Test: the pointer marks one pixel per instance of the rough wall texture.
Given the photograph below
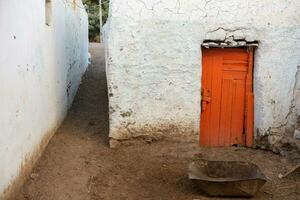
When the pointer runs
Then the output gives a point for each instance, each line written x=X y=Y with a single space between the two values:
x=154 y=61
x=40 y=70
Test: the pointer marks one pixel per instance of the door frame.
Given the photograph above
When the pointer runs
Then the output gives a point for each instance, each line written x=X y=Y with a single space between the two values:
x=249 y=111
x=249 y=98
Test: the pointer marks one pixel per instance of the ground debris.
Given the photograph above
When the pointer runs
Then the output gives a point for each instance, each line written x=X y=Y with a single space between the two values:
x=293 y=173
x=78 y=163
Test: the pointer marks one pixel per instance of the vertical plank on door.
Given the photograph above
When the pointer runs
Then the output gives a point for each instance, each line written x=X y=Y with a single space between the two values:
x=227 y=97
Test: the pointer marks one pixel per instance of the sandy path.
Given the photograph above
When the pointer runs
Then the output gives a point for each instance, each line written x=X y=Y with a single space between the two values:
x=78 y=165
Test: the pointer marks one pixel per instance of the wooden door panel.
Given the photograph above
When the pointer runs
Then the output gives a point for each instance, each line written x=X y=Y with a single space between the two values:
x=238 y=113
x=224 y=76
x=216 y=92
x=225 y=117
x=205 y=124
x=233 y=95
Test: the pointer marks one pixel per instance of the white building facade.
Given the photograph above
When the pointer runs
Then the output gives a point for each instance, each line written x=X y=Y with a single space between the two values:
x=44 y=53
x=154 y=63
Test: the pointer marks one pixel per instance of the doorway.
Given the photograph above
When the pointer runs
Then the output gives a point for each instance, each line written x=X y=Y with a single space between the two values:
x=226 y=97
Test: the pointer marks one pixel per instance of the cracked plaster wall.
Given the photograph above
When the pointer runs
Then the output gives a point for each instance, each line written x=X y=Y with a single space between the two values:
x=154 y=60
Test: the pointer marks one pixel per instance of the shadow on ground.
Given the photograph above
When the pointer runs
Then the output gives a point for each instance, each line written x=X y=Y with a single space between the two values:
x=78 y=165
x=90 y=106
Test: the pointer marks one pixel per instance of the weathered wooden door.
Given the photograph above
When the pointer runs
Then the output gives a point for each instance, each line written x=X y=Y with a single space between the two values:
x=227 y=97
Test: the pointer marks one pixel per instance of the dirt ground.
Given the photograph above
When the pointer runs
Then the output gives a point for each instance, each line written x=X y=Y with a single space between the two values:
x=78 y=164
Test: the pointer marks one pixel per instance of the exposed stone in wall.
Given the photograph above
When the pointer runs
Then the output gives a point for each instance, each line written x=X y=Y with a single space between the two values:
x=154 y=61
x=229 y=42
x=282 y=144
x=297 y=105
x=285 y=138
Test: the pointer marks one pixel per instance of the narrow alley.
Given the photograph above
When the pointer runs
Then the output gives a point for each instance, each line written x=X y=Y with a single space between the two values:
x=149 y=100
x=78 y=164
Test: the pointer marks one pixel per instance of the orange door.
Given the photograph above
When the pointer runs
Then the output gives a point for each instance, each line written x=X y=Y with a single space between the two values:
x=227 y=98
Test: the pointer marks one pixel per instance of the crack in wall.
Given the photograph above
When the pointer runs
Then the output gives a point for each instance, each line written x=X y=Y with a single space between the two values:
x=228 y=29
x=178 y=6
x=230 y=35
x=150 y=42
x=292 y=109
x=278 y=139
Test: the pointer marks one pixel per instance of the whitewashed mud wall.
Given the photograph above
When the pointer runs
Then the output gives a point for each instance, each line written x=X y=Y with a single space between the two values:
x=154 y=61
x=40 y=70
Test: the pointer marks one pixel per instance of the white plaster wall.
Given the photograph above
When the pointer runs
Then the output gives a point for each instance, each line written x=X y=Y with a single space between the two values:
x=154 y=60
x=40 y=70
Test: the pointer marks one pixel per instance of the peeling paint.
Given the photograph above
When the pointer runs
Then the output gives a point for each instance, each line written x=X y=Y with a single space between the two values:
x=126 y=114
